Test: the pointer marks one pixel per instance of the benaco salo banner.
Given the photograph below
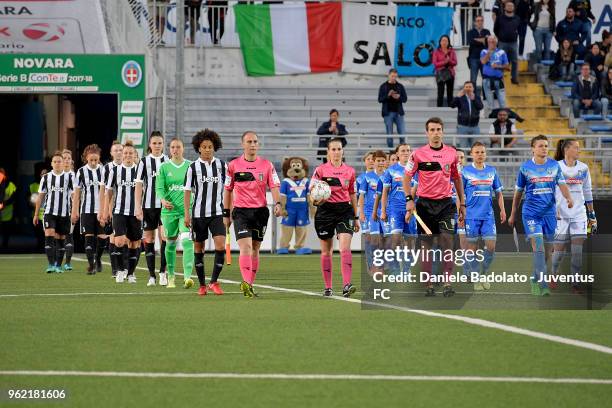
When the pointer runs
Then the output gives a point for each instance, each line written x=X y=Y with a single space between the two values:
x=52 y=26
x=377 y=38
x=293 y=38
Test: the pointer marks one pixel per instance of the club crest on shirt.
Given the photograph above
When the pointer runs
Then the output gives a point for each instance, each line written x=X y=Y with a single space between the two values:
x=260 y=176
x=447 y=167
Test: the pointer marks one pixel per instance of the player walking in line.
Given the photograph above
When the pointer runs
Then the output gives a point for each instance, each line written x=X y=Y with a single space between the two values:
x=336 y=215
x=205 y=178
x=538 y=178
x=86 y=206
x=116 y=153
x=436 y=165
x=148 y=168
x=481 y=183
x=572 y=222
x=366 y=187
x=245 y=195
x=121 y=205
x=68 y=165
x=55 y=191
x=393 y=204
x=169 y=188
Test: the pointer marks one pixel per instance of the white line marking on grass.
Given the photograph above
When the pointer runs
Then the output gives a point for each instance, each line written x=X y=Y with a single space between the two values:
x=169 y=292
x=284 y=376
x=465 y=319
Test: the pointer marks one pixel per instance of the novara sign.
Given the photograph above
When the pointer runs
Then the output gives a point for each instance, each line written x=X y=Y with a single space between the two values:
x=57 y=63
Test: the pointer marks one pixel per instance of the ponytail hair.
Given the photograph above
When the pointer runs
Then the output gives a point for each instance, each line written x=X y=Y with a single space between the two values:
x=561 y=146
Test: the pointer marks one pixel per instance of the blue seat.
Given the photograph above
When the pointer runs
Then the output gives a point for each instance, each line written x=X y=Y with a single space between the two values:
x=548 y=62
x=579 y=62
x=609 y=117
x=600 y=128
x=567 y=94
x=564 y=84
x=591 y=116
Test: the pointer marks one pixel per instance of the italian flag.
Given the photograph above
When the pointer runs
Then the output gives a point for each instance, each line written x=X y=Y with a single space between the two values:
x=296 y=38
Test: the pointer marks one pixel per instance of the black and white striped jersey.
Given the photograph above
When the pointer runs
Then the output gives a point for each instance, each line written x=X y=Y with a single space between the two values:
x=58 y=189
x=206 y=180
x=89 y=181
x=148 y=167
x=122 y=180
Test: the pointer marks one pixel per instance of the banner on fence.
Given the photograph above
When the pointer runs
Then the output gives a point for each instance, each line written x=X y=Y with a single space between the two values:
x=377 y=38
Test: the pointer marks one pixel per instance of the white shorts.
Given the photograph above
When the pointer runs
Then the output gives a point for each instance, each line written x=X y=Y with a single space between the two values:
x=567 y=228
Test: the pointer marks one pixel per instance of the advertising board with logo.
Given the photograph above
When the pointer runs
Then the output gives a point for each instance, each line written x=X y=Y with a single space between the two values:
x=52 y=26
x=123 y=75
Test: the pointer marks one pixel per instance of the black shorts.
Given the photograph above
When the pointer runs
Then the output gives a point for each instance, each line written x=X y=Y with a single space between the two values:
x=151 y=218
x=201 y=226
x=334 y=218
x=108 y=228
x=61 y=225
x=90 y=225
x=250 y=222
x=438 y=215
x=127 y=225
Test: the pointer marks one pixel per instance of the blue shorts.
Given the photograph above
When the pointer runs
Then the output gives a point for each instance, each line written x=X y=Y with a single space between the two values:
x=397 y=224
x=475 y=229
x=537 y=225
x=458 y=229
x=296 y=218
x=376 y=227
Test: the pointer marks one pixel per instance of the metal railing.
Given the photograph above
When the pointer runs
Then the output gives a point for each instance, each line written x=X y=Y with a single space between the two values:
x=212 y=25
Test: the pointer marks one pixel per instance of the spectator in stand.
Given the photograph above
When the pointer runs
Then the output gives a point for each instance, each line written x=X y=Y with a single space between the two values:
x=608 y=59
x=192 y=16
x=585 y=92
x=606 y=42
x=467 y=13
x=564 y=60
x=477 y=39
x=606 y=92
x=543 y=28
x=468 y=106
x=498 y=8
x=216 y=19
x=494 y=62
x=333 y=128
x=503 y=128
x=586 y=18
x=444 y=62
x=571 y=29
x=506 y=29
x=524 y=10
x=596 y=60
x=392 y=96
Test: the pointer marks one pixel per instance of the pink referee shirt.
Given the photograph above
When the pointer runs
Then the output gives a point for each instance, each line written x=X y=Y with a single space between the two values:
x=341 y=180
x=248 y=181
x=436 y=169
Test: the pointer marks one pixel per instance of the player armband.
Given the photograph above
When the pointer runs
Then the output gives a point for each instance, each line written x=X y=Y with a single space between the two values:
x=226 y=213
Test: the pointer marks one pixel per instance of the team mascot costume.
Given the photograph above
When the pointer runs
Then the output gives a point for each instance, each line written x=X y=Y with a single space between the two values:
x=295 y=207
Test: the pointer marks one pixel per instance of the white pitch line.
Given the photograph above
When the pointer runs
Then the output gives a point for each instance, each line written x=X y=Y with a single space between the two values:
x=165 y=293
x=465 y=319
x=286 y=376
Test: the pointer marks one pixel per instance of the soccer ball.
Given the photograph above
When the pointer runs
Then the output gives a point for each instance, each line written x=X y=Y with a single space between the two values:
x=320 y=191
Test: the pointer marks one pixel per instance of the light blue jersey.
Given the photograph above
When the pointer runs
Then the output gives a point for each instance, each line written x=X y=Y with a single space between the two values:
x=480 y=187
x=367 y=184
x=392 y=178
x=539 y=182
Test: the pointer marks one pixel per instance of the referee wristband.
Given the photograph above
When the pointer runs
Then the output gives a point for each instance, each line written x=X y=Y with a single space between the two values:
x=408 y=198
x=226 y=213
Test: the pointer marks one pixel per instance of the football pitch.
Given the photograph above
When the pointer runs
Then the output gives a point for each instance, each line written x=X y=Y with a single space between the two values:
x=109 y=344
